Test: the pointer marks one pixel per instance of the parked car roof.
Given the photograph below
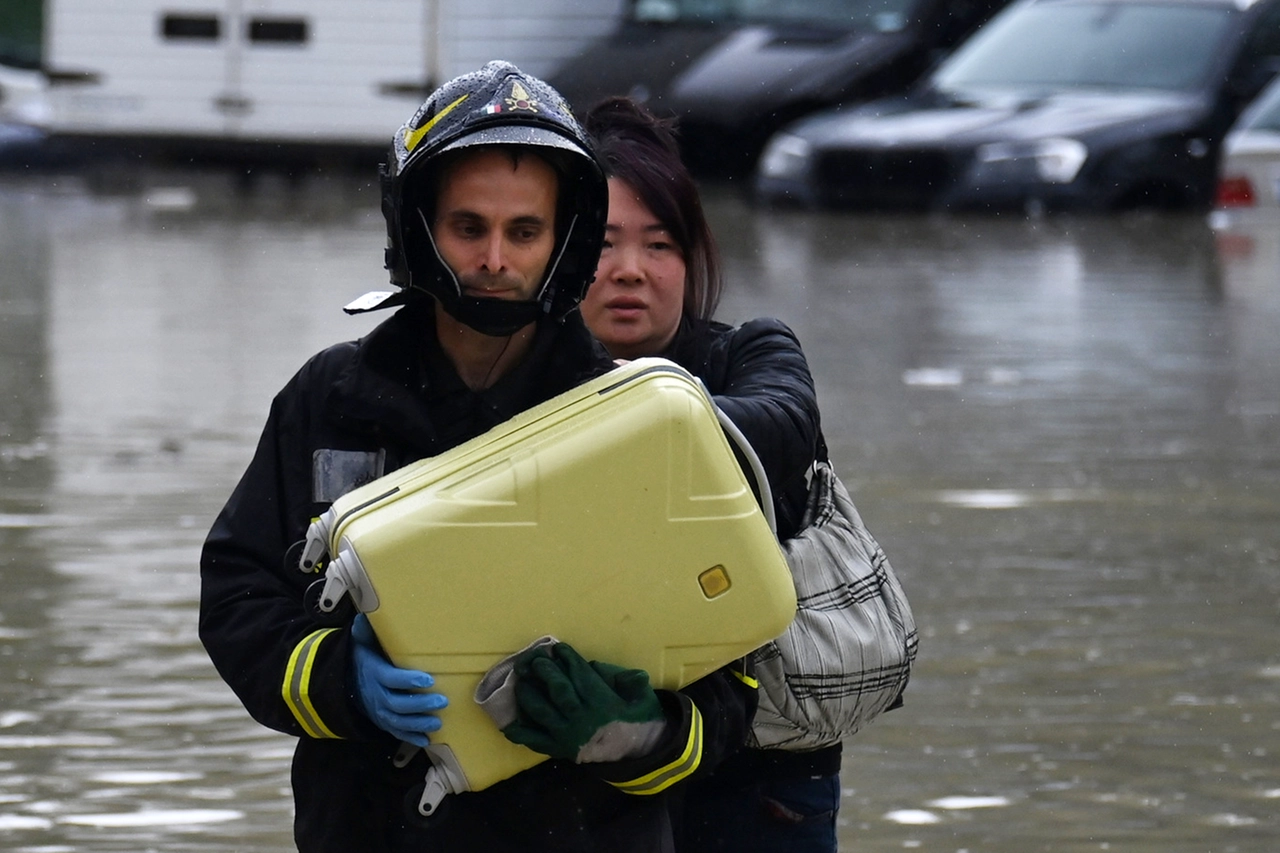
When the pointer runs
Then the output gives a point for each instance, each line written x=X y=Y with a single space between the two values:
x=734 y=71
x=1054 y=104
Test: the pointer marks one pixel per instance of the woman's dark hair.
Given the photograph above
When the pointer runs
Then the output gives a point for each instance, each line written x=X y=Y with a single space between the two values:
x=639 y=148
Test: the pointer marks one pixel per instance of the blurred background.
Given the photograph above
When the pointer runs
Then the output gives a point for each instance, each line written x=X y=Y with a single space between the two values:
x=1062 y=425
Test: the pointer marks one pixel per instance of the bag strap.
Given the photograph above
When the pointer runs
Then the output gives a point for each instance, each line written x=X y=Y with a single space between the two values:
x=755 y=470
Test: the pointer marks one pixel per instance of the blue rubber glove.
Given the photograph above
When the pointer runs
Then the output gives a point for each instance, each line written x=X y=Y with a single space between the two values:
x=390 y=696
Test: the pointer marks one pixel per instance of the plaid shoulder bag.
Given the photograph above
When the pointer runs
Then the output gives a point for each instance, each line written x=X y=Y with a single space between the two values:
x=848 y=655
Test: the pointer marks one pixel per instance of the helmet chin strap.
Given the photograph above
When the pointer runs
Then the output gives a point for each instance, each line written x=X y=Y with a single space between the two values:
x=551 y=270
x=431 y=238
x=489 y=316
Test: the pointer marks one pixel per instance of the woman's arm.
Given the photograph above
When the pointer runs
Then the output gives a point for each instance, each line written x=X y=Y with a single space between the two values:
x=760 y=378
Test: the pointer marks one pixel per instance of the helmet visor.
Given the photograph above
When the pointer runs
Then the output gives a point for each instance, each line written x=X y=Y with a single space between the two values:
x=515 y=134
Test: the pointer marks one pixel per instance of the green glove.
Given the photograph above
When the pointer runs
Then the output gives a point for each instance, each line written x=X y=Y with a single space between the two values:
x=583 y=712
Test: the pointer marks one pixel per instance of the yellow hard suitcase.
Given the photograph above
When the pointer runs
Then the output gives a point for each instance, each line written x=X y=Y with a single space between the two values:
x=615 y=517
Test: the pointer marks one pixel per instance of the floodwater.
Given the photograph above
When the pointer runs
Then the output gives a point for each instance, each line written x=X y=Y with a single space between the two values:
x=1065 y=433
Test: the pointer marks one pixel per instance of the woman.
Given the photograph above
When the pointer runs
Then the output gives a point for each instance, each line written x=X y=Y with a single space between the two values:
x=655 y=291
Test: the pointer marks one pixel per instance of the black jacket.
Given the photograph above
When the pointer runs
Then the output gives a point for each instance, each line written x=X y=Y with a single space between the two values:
x=760 y=378
x=379 y=404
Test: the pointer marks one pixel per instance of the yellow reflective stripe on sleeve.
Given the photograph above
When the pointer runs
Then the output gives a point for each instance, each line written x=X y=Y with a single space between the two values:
x=746 y=679
x=297 y=685
x=413 y=137
x=664 y=777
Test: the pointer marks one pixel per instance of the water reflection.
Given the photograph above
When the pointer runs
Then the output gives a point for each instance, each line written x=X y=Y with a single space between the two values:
x=162 y=331
x=26 y=474
x=1066 y=434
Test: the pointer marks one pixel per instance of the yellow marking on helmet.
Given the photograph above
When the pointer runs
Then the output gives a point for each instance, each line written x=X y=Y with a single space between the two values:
x=412 y=138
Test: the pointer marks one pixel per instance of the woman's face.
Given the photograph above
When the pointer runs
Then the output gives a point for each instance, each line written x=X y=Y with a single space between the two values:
x=633 y=307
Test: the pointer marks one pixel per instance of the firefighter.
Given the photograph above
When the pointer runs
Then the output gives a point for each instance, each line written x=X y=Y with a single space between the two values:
x=495 y=206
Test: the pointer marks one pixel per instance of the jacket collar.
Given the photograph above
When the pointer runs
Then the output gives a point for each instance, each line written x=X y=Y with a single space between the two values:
x=395 y=369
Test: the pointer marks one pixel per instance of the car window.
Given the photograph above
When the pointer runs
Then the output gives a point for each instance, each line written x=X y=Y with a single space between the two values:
x=1090 y=45
x=881 y=15
x=1264 y=113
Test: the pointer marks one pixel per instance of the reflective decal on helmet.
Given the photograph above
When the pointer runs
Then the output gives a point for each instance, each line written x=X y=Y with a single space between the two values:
x=520 y=99
x=413 y=137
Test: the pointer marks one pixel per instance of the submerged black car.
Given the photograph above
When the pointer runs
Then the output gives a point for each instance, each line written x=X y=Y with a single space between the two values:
x=1054 y=105
x=734 y=71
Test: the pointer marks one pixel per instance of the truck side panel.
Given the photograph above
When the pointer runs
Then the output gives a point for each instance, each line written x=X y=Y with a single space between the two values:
x=300 y=71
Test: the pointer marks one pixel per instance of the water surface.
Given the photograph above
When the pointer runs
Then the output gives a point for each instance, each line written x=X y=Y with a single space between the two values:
x=1065 y=433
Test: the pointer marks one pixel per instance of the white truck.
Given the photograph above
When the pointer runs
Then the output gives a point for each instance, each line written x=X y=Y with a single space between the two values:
x=328 y=72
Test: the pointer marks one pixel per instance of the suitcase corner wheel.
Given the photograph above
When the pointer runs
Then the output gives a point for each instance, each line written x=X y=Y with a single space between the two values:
x=345 y=577
x=333 y=599
x=324 y=611
x=316 y=544
x=443 y=777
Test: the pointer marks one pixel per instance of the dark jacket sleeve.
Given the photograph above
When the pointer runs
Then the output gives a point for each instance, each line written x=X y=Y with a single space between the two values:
x=290 y=673
x=761 y=380
x=708 y=721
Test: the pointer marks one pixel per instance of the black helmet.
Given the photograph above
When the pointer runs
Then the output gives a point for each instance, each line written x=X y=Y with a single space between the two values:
x=497 y=105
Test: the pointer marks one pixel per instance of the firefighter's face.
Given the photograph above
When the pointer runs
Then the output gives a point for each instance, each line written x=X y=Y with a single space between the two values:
x=495 y=222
